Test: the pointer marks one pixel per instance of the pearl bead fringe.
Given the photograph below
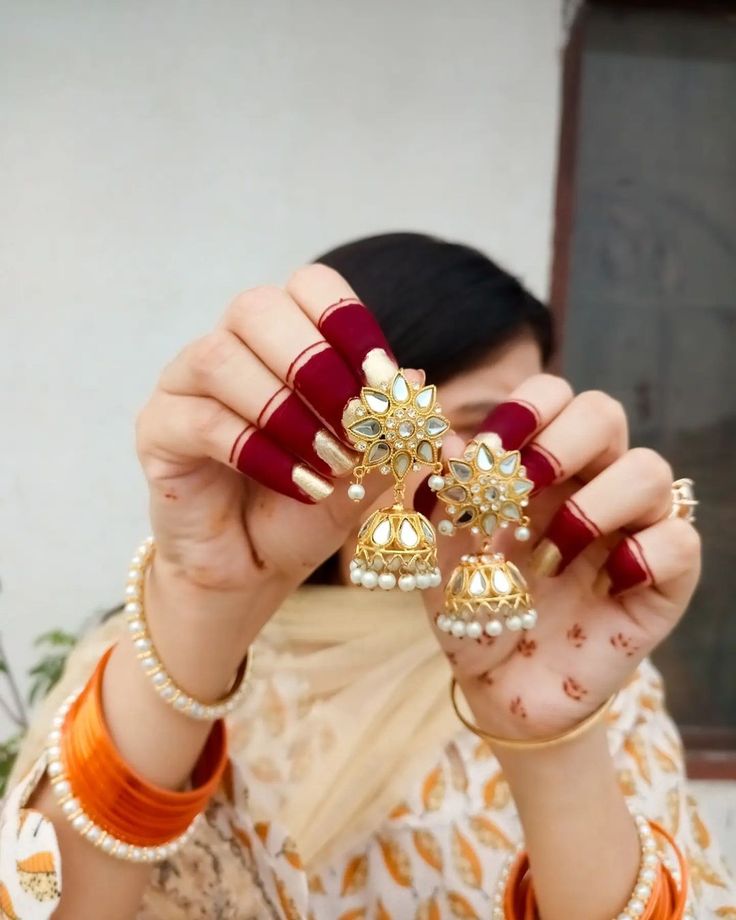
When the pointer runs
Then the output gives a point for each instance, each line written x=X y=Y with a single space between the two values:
x=642 y=892
x=72 y=810
x=152 y=665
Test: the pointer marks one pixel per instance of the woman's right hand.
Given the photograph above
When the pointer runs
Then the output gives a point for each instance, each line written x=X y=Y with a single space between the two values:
x=242 y=439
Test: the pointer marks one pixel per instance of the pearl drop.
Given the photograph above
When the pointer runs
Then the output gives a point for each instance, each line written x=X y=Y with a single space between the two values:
x=407 y=582
x=369 y=579
x=514 y=622
x=356 y=576
x=458 y=629
x=436 y=483
x=424 y=580
x=494 y=628
x=529 y=619
x=444 y=622
x=354 y=564
x=635 y=907
x=522 y=533
x=473 y=630
x=446 y=527
x=386 y=580
x=356 y=492
x=436 y=578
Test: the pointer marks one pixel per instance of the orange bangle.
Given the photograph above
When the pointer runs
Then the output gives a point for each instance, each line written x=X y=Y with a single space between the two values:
x=109 y=802
x=667 y=899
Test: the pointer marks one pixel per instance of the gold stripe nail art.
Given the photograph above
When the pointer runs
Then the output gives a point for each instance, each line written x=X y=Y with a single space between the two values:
x=546 y=558
x=329 y=449
x=310 y=483
x=378 y=367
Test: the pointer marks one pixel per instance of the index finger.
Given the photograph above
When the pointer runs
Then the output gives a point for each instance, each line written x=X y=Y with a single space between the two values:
x=529 y=408
x=346 y=323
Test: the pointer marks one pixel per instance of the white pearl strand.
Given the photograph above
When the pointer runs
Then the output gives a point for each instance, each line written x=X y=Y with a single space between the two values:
x=62 y=786
x=149 y=659
x=642 y=888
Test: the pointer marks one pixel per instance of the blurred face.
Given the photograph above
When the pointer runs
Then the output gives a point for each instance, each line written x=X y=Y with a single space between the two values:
x=467 y=398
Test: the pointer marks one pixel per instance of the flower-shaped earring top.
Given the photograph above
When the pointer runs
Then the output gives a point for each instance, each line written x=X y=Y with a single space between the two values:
x=399 y=428
x=486 y=489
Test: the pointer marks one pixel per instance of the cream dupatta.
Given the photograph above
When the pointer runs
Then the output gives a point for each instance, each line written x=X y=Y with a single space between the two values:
x=369 y=684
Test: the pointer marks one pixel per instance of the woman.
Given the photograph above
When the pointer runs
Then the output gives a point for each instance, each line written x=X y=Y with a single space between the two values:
x=366 y=797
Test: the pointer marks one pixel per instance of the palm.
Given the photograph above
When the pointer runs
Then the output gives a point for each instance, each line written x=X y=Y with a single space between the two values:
x=234 y=532
x=583 y=647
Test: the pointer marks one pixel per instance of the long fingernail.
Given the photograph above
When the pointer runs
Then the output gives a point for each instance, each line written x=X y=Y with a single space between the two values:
x=378 y=367
x=602 y=584
x=546 y=558
x=513 y=421
x=331 y=451
x=571 y=532
x=351 y=328
x=424 y=498
x=542 y=467
x=626 y=567
x=310 y=483
x=326 y=382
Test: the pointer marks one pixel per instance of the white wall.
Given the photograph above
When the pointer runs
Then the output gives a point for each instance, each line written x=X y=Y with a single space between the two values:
x=156 y=157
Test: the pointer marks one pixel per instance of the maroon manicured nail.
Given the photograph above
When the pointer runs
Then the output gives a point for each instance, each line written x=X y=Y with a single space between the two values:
x=569 y=533
x=353 y=330
x=327 y=384
x=514 y=422
x=267 y=463
x=627 y=566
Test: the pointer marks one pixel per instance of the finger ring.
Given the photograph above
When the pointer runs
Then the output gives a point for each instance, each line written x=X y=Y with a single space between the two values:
x=683 y=500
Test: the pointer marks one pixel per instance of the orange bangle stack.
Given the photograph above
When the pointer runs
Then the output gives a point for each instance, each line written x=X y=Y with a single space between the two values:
x=109 y=803
x=667 y=900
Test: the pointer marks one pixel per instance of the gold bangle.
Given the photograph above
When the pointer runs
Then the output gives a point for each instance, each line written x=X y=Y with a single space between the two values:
x=519 y=744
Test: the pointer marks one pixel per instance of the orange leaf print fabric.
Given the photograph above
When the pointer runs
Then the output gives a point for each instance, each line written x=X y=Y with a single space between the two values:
x=429 y=849
x=461 y=907
x=428 y=910
x=6 y=904
x=355 y=875
x=433 y=790
x=496 y=792
x=466 y=860
x=489 y=834
x=458 y=772
x=396 y=861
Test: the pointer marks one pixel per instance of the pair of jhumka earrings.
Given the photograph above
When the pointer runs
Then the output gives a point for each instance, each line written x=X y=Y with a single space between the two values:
x=398 y=428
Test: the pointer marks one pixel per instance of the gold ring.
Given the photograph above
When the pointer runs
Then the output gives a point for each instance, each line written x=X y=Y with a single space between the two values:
x=683 y=500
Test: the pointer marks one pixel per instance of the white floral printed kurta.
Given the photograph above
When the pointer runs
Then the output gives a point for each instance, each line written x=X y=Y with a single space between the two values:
x=435 y=856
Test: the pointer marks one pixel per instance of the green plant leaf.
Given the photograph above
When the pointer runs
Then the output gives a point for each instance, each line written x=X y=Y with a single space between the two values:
x=8 y=753
x=56 y=637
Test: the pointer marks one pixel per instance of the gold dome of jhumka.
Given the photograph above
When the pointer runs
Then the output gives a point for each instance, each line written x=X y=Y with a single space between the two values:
x=485 y=593
x=398 y=428
x=399 y=546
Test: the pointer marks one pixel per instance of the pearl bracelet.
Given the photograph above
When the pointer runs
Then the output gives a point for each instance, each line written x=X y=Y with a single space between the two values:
x=648 y=867
x=152 y=666
x=81 y=822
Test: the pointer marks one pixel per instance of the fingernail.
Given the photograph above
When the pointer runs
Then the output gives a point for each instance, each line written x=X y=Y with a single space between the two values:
x=546 y=558
x=541 y=467
x=602 y=584
x=378 y=367
x=514 y=422
x=310 y=483
x=328 y=449
x=571 y=531
x=424 y=498
x=627 y=567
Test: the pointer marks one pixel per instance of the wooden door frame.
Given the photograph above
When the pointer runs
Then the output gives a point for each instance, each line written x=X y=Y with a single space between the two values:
x=710 y=752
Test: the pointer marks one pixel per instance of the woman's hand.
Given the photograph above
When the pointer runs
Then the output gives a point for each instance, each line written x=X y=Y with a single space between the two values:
x=610 y=574
x=242 y=439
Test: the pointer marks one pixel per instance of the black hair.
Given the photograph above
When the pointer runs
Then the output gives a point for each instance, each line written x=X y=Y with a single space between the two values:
x=442 y=306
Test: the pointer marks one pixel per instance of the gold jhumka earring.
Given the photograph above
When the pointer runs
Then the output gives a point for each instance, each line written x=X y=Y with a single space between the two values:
x=485 y=490
x=398 y=428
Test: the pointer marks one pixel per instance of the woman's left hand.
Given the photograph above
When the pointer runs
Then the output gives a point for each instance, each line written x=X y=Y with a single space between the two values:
x=610 y=573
